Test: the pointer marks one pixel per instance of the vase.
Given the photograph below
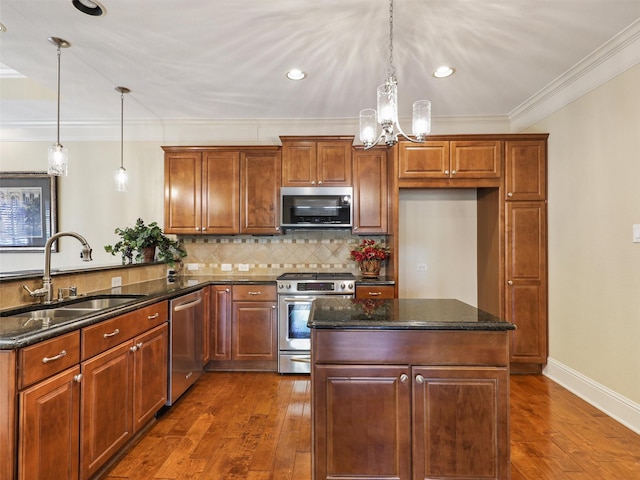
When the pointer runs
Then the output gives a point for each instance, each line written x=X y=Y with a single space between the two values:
x=148 y=254
x=370 y=268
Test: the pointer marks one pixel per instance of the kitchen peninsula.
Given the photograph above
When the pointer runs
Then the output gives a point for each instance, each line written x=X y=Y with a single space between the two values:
x=407 y=388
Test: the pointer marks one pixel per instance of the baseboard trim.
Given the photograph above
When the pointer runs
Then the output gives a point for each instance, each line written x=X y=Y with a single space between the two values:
x=604 y=399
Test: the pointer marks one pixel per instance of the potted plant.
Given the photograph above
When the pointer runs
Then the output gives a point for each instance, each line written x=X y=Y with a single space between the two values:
x=369 y=254
x=144 y=240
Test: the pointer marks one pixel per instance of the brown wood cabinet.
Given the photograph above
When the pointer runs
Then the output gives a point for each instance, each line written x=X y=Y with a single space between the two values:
x=220 y=322
x=525 y=170
x=244 y=327
x=316 y=161
x=443 y=412
x=449 y=160
x=221 y=190
x=375 y=291
x=370 y=191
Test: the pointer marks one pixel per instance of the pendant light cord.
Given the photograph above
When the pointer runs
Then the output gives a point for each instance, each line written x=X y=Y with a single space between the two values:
x=58 y=123
x=122 y=130
x=391 y=73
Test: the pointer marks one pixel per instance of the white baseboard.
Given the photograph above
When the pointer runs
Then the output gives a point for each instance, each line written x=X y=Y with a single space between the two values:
x=604 y=399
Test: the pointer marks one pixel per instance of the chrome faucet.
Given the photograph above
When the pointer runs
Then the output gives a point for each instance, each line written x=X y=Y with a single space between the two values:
x=47 y=287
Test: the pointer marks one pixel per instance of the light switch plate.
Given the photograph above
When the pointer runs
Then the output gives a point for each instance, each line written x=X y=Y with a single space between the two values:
x=636 y=233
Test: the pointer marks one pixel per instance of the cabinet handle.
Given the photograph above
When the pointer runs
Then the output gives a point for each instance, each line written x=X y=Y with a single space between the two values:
x=453 y=172
x=255 y=293
x=155 y=315
x=355 y=228
x=184 y=306
x=446 y=172
x=139 y=345
x=510 y=282
x=375 y=294
x=510 y=194
x=133 y=349
x=320 y=182
x=227 y=290
x=112 y=334
x=404 y=377
x=419 y=379
x=77 y=378
x=55 y=357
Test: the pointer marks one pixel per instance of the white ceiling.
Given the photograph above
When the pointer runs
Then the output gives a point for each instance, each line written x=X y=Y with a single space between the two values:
x=227 y=59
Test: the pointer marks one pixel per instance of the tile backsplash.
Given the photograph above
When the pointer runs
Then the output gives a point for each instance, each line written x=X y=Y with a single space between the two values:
x=306 y=250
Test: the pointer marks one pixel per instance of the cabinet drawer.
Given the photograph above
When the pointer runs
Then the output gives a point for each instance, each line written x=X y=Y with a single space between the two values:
x=104 y=335
x=254 y=293
x=47 y=358
x=375 y=291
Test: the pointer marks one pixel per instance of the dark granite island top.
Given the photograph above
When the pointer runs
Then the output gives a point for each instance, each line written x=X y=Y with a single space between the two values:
x=402 y=314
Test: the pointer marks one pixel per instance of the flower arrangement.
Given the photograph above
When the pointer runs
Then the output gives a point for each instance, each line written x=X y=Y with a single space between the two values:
x=370 y=249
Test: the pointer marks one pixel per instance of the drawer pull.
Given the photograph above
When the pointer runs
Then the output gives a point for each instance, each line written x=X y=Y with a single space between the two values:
x=255 y=293
x=375 y=294
x=419 y=379
x=55 y=357
x=112 y=334
x=155 y=315
x=404 y=377
x=77 y=378
x=184 y=306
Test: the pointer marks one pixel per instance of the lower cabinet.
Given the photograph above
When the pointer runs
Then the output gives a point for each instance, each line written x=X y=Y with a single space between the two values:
x=83 y=395
x=436 y=406
x=243 y=327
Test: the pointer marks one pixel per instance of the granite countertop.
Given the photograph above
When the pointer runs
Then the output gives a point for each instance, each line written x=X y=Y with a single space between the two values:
x=25 y=329
x=402 y=314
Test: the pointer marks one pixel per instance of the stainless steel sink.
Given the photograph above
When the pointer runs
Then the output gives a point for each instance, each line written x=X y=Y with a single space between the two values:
x=98 y=303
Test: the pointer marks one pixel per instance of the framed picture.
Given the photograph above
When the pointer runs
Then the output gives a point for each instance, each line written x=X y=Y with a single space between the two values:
x=27 y=211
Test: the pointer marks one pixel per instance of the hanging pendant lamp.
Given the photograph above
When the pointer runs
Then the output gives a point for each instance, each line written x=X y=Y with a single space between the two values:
x=387 y=113
x=122 y=177
x=58 y=155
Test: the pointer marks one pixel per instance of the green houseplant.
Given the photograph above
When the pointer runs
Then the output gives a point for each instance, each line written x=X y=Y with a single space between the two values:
x=141 y=238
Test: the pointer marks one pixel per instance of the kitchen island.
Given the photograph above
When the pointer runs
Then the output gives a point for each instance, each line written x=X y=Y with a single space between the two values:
x=409 y=389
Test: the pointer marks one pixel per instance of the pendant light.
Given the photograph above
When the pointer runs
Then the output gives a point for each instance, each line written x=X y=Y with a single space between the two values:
x=387 y=114
x=121 y=177
x=58 y=156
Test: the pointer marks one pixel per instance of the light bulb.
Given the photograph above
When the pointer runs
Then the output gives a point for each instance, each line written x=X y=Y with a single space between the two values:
x=122 y=179
x=58 y=160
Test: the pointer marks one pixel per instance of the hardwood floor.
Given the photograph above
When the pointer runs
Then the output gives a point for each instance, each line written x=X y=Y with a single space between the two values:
x=256 y=426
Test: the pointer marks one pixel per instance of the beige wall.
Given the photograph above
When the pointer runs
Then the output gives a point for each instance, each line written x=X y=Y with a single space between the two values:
x=594 y=268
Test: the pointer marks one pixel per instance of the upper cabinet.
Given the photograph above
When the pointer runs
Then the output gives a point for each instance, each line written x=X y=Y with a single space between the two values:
x=449 y=160
x=525 y=170
x=221 y=190
x=370 y=191
x=316 y=161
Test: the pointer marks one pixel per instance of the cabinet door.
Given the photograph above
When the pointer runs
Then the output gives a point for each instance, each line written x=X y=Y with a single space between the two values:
x=460 y=423
x=183 y=192
x=150 y=374
x=299 y=164
x=260 y=193
x=253 y=331
x=49 y=425
x=334 y=164
x=105 y=412
x=370 y=191
x=425 y=160
x=361 y=422
x=526 y=289
x=221 y=193
x=525 y=170
x=220 y=322
x=476 y=159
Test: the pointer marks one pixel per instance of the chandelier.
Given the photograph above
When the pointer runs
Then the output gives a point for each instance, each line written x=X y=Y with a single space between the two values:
x=58 y=156
x=387 y=113
x=122 y=177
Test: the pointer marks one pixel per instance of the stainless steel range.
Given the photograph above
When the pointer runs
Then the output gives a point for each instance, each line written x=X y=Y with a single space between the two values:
x=296 y=292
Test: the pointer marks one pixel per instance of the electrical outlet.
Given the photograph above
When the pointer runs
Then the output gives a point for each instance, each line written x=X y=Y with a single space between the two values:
x=192 y=266
x=243 y=267
x=116 y=282
x=421 y=267
x=636 y=233
x=226 y=267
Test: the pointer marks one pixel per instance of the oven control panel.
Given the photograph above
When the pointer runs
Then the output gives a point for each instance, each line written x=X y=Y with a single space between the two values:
x=338 y=287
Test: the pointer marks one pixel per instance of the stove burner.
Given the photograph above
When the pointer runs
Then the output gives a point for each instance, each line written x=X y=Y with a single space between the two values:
x=317 y=276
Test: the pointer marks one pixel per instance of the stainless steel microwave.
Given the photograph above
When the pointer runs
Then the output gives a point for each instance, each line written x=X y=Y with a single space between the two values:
x=316 y=207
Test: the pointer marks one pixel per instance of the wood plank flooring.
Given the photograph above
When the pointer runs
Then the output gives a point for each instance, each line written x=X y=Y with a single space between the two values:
x=256 y=426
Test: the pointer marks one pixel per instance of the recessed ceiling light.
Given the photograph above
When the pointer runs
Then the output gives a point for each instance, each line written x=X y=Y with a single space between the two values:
x=444 y=71
x=89 y=7
x=295 y=74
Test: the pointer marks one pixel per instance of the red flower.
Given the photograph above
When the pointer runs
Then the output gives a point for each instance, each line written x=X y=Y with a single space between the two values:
x=369 y=249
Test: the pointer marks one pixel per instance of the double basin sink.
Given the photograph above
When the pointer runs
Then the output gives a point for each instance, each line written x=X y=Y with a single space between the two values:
x=51 y=314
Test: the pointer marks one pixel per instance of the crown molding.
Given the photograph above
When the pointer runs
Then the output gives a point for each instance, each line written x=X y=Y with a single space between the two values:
x=605 y=63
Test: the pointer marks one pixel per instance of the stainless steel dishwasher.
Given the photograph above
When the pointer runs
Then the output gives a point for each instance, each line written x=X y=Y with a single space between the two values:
x=185 y=343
